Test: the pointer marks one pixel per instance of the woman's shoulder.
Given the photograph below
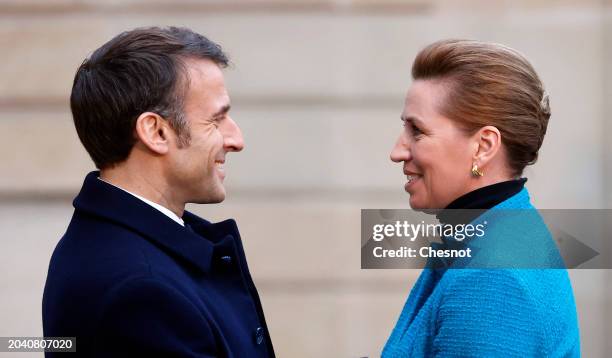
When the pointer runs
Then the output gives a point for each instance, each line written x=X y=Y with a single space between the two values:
x=530 y=311
x=515 y=235
x=525 y=279
x=544 y=291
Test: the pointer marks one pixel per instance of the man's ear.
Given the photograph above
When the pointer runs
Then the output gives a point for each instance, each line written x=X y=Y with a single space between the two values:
x=153 y=131
x=487 y=143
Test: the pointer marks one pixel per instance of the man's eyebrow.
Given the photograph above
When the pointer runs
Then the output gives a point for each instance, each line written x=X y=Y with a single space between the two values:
x=221 y=111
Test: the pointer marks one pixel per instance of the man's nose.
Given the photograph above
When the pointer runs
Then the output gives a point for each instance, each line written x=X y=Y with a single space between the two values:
x=232 y=136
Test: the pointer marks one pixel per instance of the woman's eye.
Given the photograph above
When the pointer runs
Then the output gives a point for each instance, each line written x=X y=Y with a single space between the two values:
x=416 y=131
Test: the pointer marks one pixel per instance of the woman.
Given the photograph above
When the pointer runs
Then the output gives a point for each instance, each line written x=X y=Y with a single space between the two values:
x=474 y=117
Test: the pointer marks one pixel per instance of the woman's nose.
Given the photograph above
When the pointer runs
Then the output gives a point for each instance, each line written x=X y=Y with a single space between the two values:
x=401 y=150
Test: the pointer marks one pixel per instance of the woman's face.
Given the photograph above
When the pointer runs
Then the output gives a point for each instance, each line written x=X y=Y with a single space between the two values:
x=436 y=154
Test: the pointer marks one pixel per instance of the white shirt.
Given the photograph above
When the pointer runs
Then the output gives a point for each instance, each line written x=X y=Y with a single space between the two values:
x=164 y=210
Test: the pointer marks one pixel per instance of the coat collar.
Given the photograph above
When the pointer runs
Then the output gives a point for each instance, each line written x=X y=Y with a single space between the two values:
x=517 y=203
x=196 y=246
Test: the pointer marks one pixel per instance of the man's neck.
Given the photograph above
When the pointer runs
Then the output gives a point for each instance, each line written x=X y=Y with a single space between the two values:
x=142 y=185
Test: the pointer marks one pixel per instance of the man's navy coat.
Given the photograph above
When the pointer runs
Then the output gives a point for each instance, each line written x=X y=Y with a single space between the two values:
x=127 y=280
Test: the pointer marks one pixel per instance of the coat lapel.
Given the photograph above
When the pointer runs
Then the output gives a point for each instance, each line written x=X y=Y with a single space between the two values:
x=113 y=204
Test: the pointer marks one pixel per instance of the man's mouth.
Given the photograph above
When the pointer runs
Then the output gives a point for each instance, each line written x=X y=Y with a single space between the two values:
x=220 y=168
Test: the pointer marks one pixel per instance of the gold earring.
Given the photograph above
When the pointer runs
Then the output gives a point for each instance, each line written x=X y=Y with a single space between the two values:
x=476 y=172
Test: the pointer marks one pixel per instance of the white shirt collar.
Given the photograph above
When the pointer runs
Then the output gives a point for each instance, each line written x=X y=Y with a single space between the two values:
x=164 y=210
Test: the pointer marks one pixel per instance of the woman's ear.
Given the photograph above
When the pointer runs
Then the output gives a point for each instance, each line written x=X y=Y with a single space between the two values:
x=487 y=145
x=153 y=131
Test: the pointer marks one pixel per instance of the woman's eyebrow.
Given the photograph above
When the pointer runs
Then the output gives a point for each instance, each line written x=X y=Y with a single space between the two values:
x=412 y=119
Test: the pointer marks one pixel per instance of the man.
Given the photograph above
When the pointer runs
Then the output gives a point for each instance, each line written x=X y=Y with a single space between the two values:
x=135 y=274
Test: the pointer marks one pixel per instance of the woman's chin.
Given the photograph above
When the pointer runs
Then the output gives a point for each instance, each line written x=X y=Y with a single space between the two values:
x=418 y=205
x=415 y=203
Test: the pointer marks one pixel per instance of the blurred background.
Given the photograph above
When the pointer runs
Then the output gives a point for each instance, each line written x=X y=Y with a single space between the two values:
x=317 y=87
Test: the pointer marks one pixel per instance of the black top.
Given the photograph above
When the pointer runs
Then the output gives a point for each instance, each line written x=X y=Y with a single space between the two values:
x=483 y=198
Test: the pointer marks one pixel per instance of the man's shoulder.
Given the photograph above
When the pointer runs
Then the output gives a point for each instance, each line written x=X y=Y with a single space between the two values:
x=94 y=236
x=93 y=247
x=94 y=257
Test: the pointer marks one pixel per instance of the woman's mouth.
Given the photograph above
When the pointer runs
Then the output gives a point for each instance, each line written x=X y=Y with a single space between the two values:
x=412 y=178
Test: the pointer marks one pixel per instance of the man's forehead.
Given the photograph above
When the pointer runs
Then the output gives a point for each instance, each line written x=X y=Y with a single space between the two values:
x=202 y=68
x=205 y=82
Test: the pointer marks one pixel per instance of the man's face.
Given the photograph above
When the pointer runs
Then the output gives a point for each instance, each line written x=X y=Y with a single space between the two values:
x=195 y=171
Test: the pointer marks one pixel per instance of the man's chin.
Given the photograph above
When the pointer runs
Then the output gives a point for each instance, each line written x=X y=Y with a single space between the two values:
x=219 y=199
x=210 y=198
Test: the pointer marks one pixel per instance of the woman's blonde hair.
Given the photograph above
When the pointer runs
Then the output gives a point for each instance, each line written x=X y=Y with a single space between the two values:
x=489 y=84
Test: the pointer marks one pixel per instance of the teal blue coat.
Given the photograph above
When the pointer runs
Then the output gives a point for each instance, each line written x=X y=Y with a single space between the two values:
x=509 y=312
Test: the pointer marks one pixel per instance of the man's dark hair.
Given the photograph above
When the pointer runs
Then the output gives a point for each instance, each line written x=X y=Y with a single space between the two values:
x=138 y=71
